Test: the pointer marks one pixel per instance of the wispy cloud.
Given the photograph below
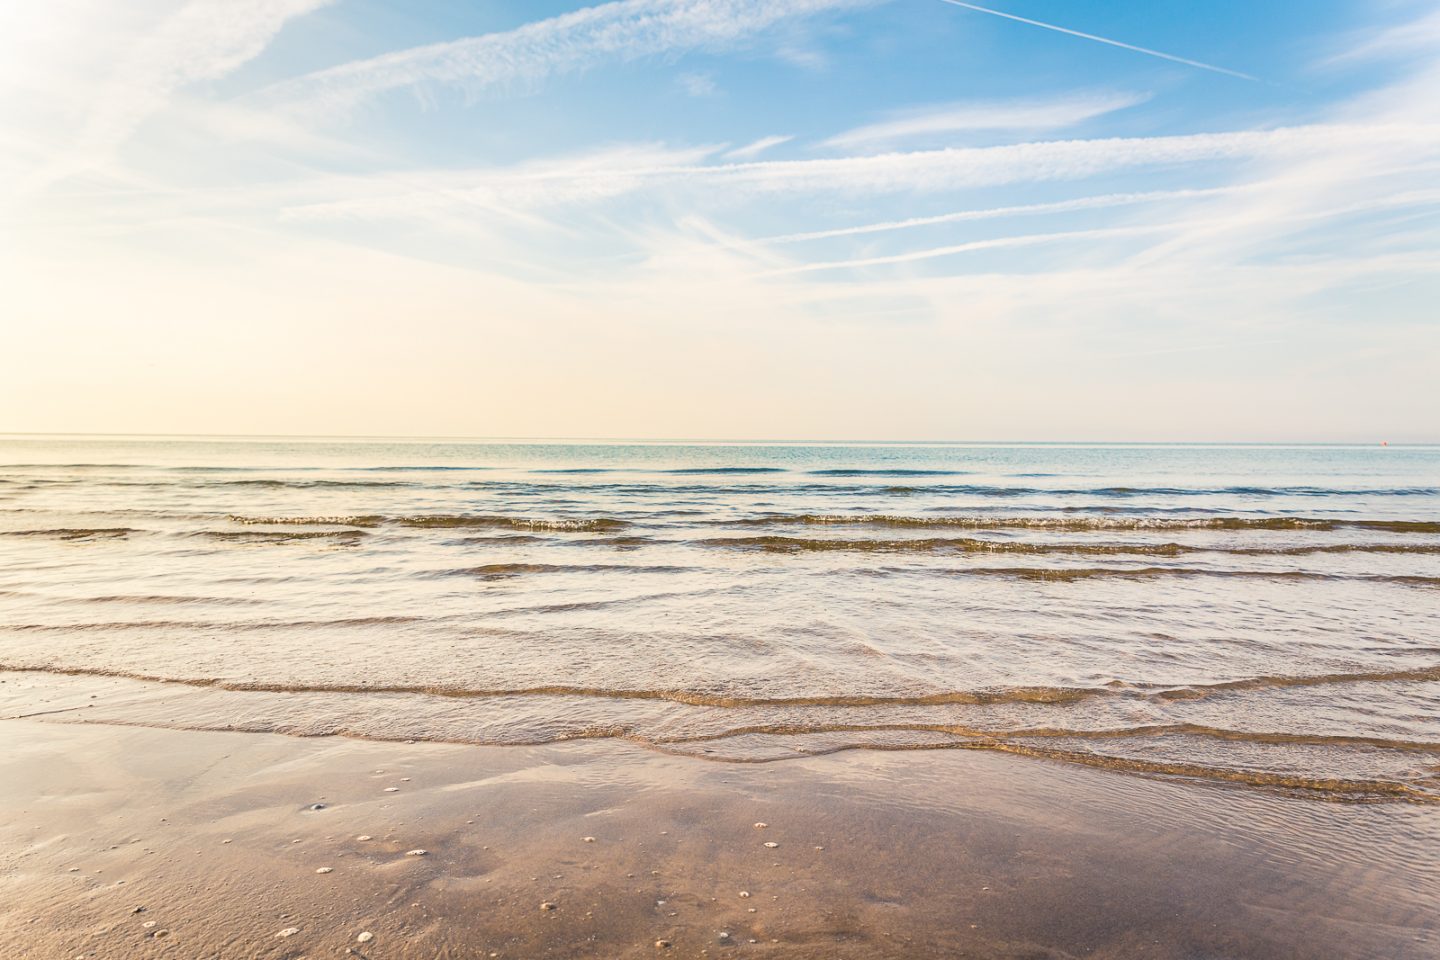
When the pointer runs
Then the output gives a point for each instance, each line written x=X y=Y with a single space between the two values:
x=1114 y=43
x=756 y=147
x=998 y=213
x=572 y=43
x=950 y=250
x=203 y=40
x=621 y=171
x=698 y=84
x=571 y=181
x=1414 y=37
x=1342 y=176
x=1013 y=115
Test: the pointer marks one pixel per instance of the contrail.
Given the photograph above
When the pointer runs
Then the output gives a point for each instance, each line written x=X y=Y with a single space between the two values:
x=1114 y=43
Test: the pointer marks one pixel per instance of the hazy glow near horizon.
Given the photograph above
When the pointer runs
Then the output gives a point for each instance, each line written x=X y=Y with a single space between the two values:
x=732 y=218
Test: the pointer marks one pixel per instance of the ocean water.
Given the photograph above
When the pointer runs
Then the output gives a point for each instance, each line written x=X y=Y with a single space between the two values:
x=1261 y=616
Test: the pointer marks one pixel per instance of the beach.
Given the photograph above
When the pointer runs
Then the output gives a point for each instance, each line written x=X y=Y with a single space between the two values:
x=138 y=842
x=410 y=700
x=129 y=842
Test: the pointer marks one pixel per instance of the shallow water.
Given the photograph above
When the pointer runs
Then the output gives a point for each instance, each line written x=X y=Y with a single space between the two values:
x=1267 y=616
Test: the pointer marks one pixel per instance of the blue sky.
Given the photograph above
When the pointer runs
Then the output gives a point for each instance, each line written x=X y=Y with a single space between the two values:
x=829 y=219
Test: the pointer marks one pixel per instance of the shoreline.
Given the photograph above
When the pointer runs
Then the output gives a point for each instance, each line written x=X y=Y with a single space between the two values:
x=411 y=714
x=920 y=853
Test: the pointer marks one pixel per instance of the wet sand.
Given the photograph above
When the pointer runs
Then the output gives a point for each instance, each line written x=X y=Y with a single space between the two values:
x=133 y=842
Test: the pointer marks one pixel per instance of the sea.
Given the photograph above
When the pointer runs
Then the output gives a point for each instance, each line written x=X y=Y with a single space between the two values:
x=1253 y=617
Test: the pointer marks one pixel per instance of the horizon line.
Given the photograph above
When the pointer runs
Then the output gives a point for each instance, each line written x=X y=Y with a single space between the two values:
x=773 y=441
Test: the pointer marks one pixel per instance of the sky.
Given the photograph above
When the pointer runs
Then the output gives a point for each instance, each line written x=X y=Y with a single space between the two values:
x=759 y=219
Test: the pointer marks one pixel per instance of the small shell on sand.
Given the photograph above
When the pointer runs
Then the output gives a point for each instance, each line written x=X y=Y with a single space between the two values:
x=365 y=937
x=744 y=893
x=724 y=935
x=392 y=789
x=589 y=839
x=288 y=932
x=547 y=905
x=324 y=869
x=227 y=841
x=761 y=826
x=771 y=844
x=148 y=924
x=662 y=944
x=417 y=852
x=363 y=836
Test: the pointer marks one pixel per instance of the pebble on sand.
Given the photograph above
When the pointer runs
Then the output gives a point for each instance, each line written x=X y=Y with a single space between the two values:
x=724 y=935
x=547 y=905
x=417 y=852
x=761 y=826
x=662 y=944
x=589 y=839
x=365 y=936
x=771 y=844
x=363 y=836
x=324 y=869
x=288 y=932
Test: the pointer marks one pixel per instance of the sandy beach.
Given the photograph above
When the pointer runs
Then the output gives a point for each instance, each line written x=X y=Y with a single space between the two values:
x=283 y=699
x=132 y=842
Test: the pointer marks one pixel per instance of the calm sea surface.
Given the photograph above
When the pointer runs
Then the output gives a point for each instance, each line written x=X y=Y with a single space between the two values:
x=1266 y=616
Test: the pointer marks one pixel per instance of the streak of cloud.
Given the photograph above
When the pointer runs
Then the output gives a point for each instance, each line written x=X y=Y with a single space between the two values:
x=617 y=32
x=753 y=149
x=1031 y=115
x=996 y=213
x=994 y=243
x=615 y=173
